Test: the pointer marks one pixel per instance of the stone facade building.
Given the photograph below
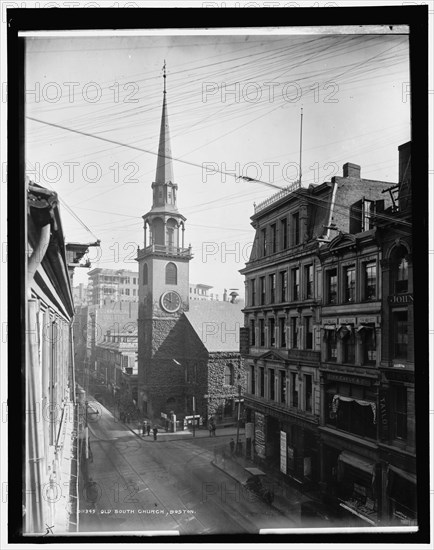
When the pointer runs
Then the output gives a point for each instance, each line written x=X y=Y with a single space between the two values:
x=303 y=238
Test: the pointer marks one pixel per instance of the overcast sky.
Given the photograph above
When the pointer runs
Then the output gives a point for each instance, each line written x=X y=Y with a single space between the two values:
x=234 y=105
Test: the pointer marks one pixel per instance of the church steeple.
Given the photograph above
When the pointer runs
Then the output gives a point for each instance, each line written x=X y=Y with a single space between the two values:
x=164 y=187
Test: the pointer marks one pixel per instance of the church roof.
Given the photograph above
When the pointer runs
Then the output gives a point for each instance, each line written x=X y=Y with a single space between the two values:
x=217 y=324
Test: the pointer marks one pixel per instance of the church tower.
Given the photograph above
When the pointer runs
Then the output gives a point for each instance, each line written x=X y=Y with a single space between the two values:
x=163 y=281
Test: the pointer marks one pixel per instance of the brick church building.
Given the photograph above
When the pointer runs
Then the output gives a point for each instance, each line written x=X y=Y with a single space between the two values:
x=188 y=352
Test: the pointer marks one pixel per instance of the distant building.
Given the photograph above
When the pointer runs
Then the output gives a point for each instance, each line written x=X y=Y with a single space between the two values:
x=112 y=285
x=116 y=363
x=80 y=295
x=201 y=292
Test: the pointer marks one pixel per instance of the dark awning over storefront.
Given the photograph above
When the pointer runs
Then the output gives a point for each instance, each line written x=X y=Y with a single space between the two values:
x=357 y=462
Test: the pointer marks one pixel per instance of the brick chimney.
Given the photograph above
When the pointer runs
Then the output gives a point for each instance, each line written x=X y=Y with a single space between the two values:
x=404 y=164
x=351 y=170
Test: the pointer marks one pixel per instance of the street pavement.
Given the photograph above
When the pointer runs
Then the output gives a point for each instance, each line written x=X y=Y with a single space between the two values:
x=171 y=484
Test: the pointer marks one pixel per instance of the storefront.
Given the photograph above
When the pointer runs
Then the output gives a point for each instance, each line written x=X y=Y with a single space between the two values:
x=401 y=495
x=357 y=488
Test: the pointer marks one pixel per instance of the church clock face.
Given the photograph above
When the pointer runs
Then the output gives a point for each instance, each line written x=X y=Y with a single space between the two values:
x=170 y=301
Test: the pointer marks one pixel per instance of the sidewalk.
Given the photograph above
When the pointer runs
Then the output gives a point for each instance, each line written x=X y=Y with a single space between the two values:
x=288 y=499
x=185 y=434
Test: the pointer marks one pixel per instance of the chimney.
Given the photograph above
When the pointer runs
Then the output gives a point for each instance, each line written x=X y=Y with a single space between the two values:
x=351 y=170
x=404 y=164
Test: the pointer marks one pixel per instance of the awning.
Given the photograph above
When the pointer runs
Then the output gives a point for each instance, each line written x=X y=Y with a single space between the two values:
x=365 y=327
x=357 y=462
x=411 y=478
x=362 y=402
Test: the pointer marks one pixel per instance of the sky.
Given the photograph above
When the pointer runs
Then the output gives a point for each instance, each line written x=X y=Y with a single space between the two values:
x=234 y=104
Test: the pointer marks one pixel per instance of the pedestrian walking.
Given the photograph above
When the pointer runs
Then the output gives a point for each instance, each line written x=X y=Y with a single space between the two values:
x=213 y=430
x=232 y=445
x=144 y=427
x=155 y=431
x=210 y=429
x=148 y=429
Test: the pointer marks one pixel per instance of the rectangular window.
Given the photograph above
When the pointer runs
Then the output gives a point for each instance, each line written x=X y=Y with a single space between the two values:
x=294 y=390
x=262 y=332
x=369 y=345
x=252 y=380
x=308 y=332
x=331 y=348
x=264 y=242
x=282 y=386
x=272 y=282
x=262 y=290
x=272 y=329
x=273 y=238
x=332 y=286
x=349 y=345
x=295 y=284
x=283 y=286
x=294 y=332
x=308 y=278
x=308 y=392
x=252 y=292
x=370 y=283
x=295 y=228
x=252 y=332
x=368 y=211
x=282 y=332
x=400 y=334
x=261 y=381
x=350 y=284
x=272 y=379
x=127 y=291
x=134 y=291
x=284 y=233
x=400 y=412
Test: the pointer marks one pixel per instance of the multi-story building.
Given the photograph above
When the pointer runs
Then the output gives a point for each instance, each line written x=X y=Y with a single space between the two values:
x=285 y=288
x=80 y=295
x=397 y=403
x=367 y=416
x=200 y=291
x=52 y=426
x=112 y=285
x=116 y=363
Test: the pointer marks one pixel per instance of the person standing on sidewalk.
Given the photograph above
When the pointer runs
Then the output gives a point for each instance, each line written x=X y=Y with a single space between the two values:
x=155 y=432
x=213 y=428
x=144 y=427
x=232 y=446
x=148 y=429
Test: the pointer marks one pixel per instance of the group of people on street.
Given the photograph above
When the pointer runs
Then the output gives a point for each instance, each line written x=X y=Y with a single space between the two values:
x=146 y=429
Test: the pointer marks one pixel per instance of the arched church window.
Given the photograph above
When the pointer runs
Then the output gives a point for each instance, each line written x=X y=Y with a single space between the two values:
x=171 y=274
x=145 y=274
x=229 y=374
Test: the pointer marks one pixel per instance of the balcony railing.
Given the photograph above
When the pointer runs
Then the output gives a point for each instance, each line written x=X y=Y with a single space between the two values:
x=277 y=196
x=168 y=249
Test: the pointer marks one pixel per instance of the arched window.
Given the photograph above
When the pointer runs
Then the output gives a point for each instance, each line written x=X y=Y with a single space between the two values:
x=171 y=274
x=400 y=270
x=229 y=375
x=145 y=274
